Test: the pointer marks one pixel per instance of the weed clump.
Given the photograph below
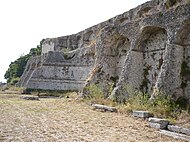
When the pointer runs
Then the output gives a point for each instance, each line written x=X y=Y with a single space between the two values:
x=161 y=106
x=96 y=95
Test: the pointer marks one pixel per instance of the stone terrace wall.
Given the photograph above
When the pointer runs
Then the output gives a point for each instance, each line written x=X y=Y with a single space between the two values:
x=59 y=71
x=146 y=49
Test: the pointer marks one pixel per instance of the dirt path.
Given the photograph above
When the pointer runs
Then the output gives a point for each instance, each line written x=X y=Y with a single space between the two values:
x=67 y=120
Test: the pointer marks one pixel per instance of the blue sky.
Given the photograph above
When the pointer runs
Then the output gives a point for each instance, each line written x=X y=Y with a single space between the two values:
x=23 y=23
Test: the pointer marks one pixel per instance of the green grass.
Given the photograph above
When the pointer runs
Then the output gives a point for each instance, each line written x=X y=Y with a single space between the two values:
x=95 y=95
x=161 y=106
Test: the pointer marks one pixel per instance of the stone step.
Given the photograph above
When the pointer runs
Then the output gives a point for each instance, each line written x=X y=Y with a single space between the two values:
x=178 y=129
x=175 y=135
x=158 y=123
x=141 y=114
x=104 y=108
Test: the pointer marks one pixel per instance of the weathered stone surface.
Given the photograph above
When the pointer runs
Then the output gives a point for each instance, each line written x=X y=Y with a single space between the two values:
x=104 y=108
x=146 y=49
x=158 y=123
x=178 y=129
x=175 y=135
x=141 y=114
x=29 y=97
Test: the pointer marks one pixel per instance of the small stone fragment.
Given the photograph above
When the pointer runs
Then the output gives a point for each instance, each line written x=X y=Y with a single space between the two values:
x=29 y=97
x=141 y=114
x=104 y=108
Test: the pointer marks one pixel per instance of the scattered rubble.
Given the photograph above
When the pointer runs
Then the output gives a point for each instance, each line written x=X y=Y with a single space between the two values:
x=29 y=97
x=104 y=108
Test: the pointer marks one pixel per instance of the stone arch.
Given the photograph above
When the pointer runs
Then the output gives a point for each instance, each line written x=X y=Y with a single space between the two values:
x=143 y=12
x=152 y=44
x=147 y=33
x=183 y=34
x=115 y=47
x=111 y=50
x=121 y=20
x=88 y=36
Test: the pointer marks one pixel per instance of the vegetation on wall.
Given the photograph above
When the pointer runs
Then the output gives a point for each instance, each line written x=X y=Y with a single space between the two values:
x=17 y=67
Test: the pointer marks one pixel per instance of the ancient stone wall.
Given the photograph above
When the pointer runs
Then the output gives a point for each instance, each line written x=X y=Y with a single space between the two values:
x=146 y=49
x=59 y=71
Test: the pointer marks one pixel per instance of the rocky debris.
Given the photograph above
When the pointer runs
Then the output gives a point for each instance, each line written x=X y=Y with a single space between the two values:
x=175 y=135
x=178 y=129
x=141 y=114
x=158 y=123
x=104 y=108
x=29 y=97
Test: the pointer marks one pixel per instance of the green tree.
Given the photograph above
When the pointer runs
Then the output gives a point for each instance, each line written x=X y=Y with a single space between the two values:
x=17 y=67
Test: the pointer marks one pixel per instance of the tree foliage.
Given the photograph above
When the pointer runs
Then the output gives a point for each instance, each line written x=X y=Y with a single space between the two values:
x=17 y=67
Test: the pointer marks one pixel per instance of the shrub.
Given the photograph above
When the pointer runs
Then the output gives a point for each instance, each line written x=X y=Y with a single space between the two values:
x=164 y=106
x=161 y=106
x=96 y=95
x=94 y=92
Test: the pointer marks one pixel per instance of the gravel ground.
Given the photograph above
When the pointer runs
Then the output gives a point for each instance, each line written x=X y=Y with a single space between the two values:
x=68 y=120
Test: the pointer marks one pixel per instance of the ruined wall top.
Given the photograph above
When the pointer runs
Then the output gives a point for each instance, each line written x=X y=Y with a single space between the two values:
x=131 y=17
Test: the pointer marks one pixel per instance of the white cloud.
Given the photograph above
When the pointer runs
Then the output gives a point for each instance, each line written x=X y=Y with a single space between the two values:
x=24 y=23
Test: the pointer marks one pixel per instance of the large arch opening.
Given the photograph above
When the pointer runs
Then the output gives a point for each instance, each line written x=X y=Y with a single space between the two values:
x=152 y=44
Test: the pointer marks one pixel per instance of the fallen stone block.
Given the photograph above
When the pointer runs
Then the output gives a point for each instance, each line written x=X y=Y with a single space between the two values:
x=30 y=97
x=175 y=135
x=141 y=114
x=104 y=108
x=178 y=129
x=158 y=123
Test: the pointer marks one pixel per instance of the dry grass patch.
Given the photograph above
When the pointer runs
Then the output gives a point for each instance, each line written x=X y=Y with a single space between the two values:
x=67 y=119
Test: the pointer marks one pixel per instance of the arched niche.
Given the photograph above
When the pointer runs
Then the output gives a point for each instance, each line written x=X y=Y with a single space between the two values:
x=88 y=36
x=182 y=36
x=79 y=41
x=183 y=39
x=152 y=44
x=143 y=12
